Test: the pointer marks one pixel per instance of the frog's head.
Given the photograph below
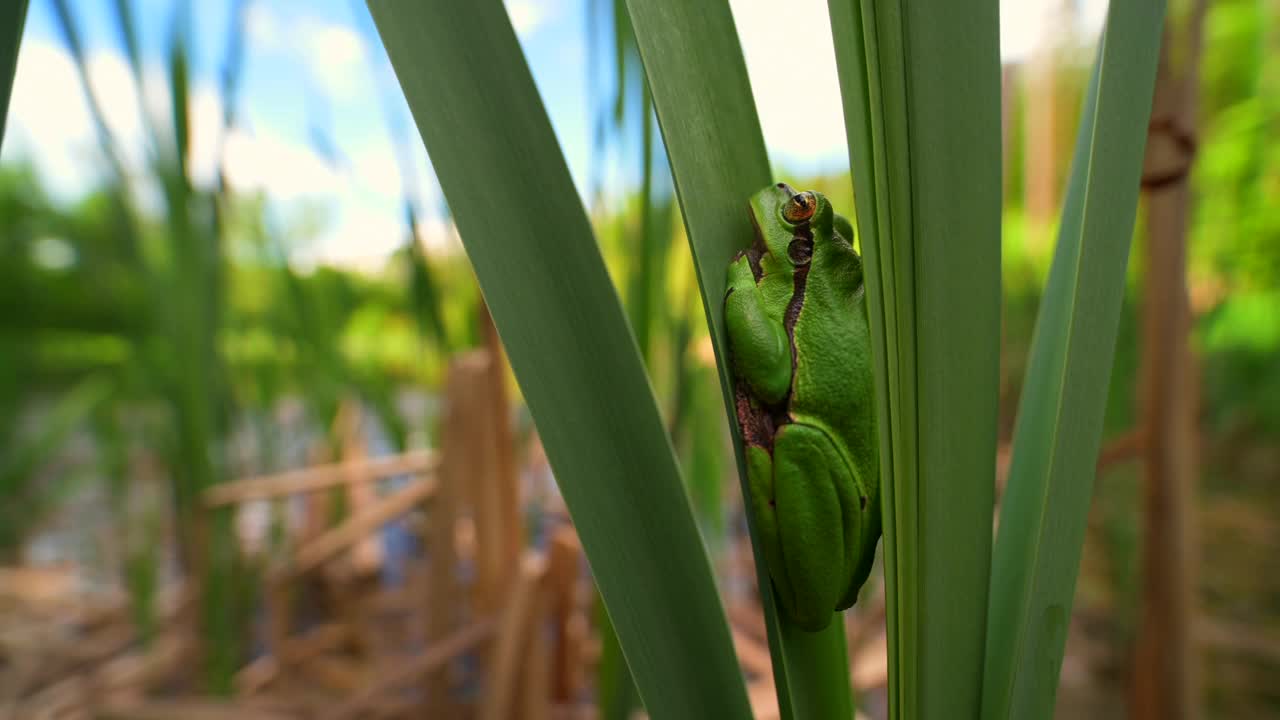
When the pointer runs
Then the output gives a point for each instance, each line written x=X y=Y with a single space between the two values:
x=784 y=216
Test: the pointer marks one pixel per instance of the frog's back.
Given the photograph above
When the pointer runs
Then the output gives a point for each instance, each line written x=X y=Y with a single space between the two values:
x=832 y=387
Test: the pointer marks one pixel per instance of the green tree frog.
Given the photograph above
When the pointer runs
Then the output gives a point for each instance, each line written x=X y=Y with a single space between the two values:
x=796 y=315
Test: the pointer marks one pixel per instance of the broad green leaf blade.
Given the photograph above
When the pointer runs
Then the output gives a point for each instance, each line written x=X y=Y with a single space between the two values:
x=920 y=83
x=854 y=62
x=953 y=113
x=709 y=125
x=1059 y=426
x=577 y=363
x=13 y=17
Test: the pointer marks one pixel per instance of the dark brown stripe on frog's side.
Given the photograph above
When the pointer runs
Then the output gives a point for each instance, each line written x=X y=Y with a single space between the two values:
x=801 y=252
x=755 y=422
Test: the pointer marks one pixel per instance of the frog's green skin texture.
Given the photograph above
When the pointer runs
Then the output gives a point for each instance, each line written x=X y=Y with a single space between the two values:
x=796 y=314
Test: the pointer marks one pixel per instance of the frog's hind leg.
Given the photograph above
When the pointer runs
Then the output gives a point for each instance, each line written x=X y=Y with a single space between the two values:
x=760 y=478
x=815 y=491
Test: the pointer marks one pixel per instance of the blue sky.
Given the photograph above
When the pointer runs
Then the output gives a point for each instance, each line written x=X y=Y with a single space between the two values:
x=312 y=115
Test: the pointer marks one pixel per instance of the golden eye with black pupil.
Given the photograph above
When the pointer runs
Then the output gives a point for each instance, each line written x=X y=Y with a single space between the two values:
x=799 y=208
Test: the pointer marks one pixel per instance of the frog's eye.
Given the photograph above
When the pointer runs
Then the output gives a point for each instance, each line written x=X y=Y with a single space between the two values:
x=799 y=208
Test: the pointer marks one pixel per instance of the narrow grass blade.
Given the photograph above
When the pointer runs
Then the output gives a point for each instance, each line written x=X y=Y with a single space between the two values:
x=69 y=29
x=1042 y=521
x=424 y=296
x=644 y=292
x=13 y=16
x=703 y=97
x=920 y=84
x=124 y=214
x=126 y=26
x=573 y=354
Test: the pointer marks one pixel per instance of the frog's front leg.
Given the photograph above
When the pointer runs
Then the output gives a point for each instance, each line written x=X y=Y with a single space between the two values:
x=759 y=344
x=816 y=512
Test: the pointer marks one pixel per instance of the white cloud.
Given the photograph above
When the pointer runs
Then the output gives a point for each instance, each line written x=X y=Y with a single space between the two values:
x=204 y=110
x=438 y=236
x=335 y=54
x=262 y=27
x=115 y=90
x=1026 y=25
x=363 y=236
x=282 y=168
x=49 y=121
x=793 y=76
x=793 y=72
x=1093 y=16
x=376 y=170
x=528 y=15
x=1022 y=26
